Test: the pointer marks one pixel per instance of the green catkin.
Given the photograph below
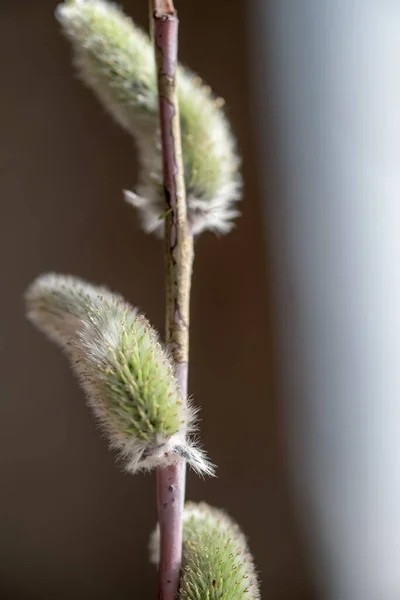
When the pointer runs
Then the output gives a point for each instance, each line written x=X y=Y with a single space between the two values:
x=216 y=562
x=116 y=60
x=127 y=376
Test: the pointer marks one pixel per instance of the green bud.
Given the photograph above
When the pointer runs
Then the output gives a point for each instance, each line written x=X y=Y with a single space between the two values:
x=128 y=377
x=216 y=562
x=116 y=60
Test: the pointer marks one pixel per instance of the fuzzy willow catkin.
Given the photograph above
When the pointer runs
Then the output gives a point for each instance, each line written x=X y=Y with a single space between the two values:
x=116 y=60
x=127 y=375
x=216 y=562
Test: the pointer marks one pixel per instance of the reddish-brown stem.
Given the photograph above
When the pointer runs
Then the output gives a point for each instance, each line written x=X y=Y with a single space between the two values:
x=163 y=8
x=178 y=270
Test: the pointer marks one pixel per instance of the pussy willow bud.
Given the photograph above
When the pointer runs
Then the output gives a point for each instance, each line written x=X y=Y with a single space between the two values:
x=216 y=562
x=128 y=377
x=116 y=60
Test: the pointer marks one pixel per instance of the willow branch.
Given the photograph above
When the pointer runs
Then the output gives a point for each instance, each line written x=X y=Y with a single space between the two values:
x=178 y=269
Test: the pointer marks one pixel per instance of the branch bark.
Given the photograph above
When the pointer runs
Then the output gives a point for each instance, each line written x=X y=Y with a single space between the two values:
x=178 y=271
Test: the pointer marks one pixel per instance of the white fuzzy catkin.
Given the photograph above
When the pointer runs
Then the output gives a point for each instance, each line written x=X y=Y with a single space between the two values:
x=116 y=60
x=216 y=561
x=127 y=375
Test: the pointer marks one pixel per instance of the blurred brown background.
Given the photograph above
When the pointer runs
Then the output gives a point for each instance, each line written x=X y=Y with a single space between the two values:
x=72 y=524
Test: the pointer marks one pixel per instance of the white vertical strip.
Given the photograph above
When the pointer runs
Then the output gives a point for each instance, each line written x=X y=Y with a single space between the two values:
x=335 y=234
